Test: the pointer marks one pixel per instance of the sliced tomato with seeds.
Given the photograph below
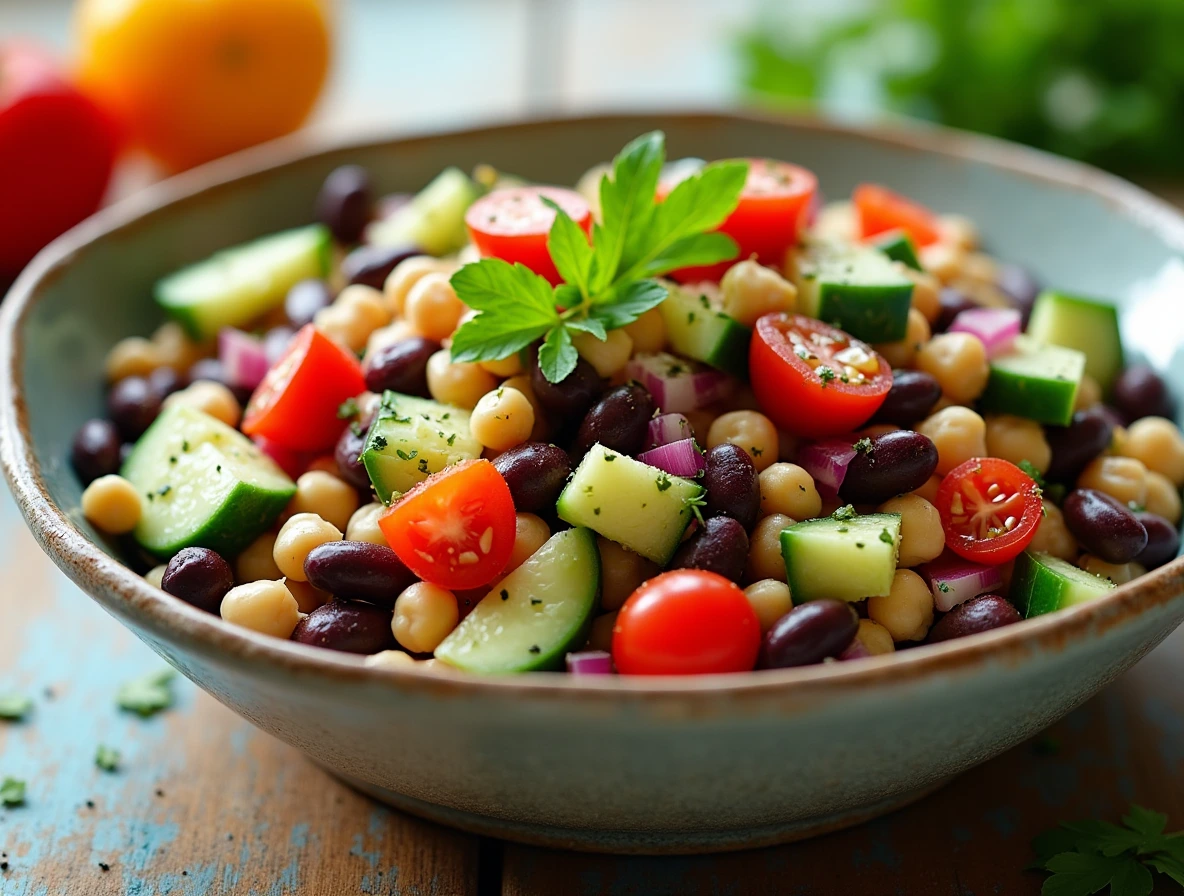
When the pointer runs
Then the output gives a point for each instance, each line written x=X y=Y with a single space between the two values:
x=878 y=210
x=512 y=224
x=989 y=509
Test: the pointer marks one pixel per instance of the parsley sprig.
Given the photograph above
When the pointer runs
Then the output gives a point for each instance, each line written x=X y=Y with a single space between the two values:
x=607 y=283
x=148 y=694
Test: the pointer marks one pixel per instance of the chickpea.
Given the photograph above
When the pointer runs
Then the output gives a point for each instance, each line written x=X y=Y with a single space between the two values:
x=256 y=562
x=751 y=290
x=789 y=490
x=959 y=230
x=112 y=504
x=1163 y=498
x=307 y=597
x=958 y=361
x=609 y=355
x=134 y=356
x=929 y=490
x=506 y=367
x=926 y=293
x=210 y=398
x=461 y=384
x=621 y=573
x=155 y=575
x=389 y=335
x=921 y=536
x=903 y=352
x=296 y=538
x=907 y=610
x=325 y=495
x=432 y=306
x=764 y=548
x=600 y=636
x=959 y=434
x=266 y=607
x=1118 y=573
x=875 y=639
x=502 y=419
x=521 y=382
x=424 y=616
x=530 y=533
x=770 y=600
x=174 y=347
x=1122 y=478
x=1089 y=393
x=942 y=259
x=406 y=274
x=389 y=659
x=648 y=332
x=1053 y=536
x=980 y=267
x=363 y=525
x=1016 y=439
x=354 y=316
x=752 y=431
x=1159 y=445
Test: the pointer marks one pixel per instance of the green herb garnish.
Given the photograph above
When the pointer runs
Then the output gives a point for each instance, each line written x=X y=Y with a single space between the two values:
x=886 y=537
x=663 y=482
x=107 y=758
x=863 y=446
x=844 y=513
x=12 y=792
x=1031 y=472
x=379 y=442
x=943 y=588
x=14 y=707
x=147 y=695
x=406 y=455
x=347 y=409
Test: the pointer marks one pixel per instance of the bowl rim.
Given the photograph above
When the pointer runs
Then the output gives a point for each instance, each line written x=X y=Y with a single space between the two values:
x=125 y=594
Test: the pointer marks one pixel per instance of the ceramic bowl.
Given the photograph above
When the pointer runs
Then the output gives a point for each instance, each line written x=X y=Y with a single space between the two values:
x=616 y=764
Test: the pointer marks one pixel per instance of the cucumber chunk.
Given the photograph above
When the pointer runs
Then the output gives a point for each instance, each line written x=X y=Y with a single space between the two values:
x=1042 y=583
x=434 y=220
x=641 y=507
x=1088 y=325
x=1036 y=381
x=843 y=556
x=697 y=328
x=898 y=246
x=855 y=288
x=535 y=615
x=204 y=484
x=235 y=286
x=412 y=438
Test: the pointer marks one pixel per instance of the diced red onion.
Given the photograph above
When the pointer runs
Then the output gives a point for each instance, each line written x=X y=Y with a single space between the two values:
x=826 y=462
x=667 y=428
x=681 y=458
x=676 y=385
x=856 y=650
x=243 y=357
x=954 y=581
x=996 y=328
x=590 y=662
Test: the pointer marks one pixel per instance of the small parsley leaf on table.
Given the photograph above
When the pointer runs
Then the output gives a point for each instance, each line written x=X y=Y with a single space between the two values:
x=12 y=792
x=557 y=356
x=147 y=695
x=107 y=758
x=14 y=707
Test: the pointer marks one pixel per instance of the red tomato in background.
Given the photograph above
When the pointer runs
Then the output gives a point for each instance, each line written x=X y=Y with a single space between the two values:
x=879 y=210
x=512 y=224
x=989 y=509
x=57 y=149
x=686 y=622
x=773 y=208
x=296 y=404
x=792 y=392
x=456 y=528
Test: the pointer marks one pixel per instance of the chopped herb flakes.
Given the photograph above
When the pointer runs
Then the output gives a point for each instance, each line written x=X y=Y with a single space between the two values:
x=451 y=439
x=423 y=465
x=505 y=595
x=347 y=409
x=14 y=707
x=844 y=513
x=863 y=446
x=534 y=648
x=825 y=374
x=12 y=792
x=943 y=588
x=534 y=601
x=609 y=458
x=664 y=482
x=147 y=695
x=379 y=442
x=405 y=455
x=107 y=758
x=886 y=537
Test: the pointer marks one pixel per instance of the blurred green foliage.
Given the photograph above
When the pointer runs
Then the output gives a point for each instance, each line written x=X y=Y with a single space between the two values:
x=1101 y=80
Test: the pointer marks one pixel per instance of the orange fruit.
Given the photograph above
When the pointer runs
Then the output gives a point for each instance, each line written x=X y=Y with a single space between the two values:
x=196 y=79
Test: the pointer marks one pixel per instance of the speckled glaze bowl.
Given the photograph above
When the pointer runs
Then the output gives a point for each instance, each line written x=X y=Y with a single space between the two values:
x=630 y=765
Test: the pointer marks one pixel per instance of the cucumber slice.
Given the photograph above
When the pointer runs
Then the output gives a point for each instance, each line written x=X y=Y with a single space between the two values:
x=641 y=507
x=434 y=220
x=412 y=438
x=1088 y=325
x=235 y=286
x=855 y=288
x=898 y=246
x=1036 y=381
x=535 y=615
x=843 y=557
x=698 y=329
x=203 y=484
x=1042 y=583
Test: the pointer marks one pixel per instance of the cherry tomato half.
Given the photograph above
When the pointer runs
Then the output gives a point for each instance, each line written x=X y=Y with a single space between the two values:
x=989 y=510
x=773 y=207
x=512 y=224
x=686 y=622
x=456 y=528
x=296 y=404
x=879 y=210
x=812 y=379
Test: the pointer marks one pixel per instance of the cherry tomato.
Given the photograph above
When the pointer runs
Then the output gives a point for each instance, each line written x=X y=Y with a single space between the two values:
x=812 y=379
x=456 y=528
x=879 y=210
x=296 y=404
x=686 y=622
x=512 y=224
x=989 y=510
x=773 y=208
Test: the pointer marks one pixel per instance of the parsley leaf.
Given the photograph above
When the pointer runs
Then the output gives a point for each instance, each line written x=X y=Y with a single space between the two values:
x=626 y=204
x=557 y=356
x=569 y=249
x=107 y=758
x=589 y=325
x=517 y=307
x=1031 y=472
x=12 y=792
x=147 y=695
x=14 y=707
x=1080 y=874
x=633 y=300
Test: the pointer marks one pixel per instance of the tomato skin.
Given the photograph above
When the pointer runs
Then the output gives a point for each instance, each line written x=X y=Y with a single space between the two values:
x=432 y=526
x=512 y=224
x=296 y=404
x=686 y=622
x=879 y=210
x=793 y=396
x=975 y=477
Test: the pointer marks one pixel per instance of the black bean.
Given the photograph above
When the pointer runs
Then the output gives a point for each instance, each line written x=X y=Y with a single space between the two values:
x=733 y=488
x=536 y=473
x=1141 y=392
x=979 y=614
x=132 y=405
x=348 y=454
x=1163 y=540
x=198 y=576
x=212 y=369
x=358 y=570
x=276 y=342
x=165 y=381
x=1020 y=286
x=720 y=546
x=346 y=203
x=305 y=299
x=401 y=366
x=570 y=398
x=953 y=302
x=888 y=465
x=808 y=634
x=911 y=398
x=1075 y=445
x=349 y=626
x=371 y=265
x=95 y=451
x=1103 y=526
x=618 y=421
